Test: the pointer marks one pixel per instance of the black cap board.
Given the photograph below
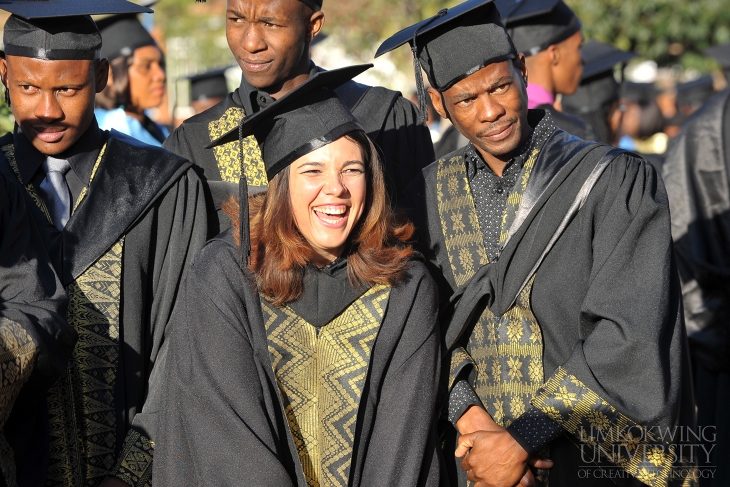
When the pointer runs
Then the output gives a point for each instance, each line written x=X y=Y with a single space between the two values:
x=299 y=119
x=638 y=92
x=35 y=31
x=599 y=58
x=315 y=5
x=535 y=25
x=122 y=34
x=721 y=54
x=305 y=119
x=695 y=92
x=211 y=84
x=453 y=44
x=598 y=85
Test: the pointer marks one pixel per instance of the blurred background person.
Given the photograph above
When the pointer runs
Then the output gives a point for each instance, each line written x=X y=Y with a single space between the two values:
x=597 y=99
x=136 y=80
x=549 y=34
x=642 y=123
x=207 y=89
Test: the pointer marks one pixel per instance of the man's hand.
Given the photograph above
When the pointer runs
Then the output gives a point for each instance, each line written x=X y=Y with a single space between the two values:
x=113 y=482
x=492 y=457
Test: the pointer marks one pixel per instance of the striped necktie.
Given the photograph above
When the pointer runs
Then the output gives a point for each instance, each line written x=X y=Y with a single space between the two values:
x=55 y=190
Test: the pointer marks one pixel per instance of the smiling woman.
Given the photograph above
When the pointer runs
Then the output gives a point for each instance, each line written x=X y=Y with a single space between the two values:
x=317 y=359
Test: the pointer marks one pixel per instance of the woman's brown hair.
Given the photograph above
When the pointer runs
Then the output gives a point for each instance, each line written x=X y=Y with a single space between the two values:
x=378 y=248
x=116 y=94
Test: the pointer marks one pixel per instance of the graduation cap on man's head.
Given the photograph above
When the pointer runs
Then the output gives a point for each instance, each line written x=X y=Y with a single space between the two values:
x=453 y=44
x=695 y=92
x=122 y=34
x=535 y=25
x=638 y=92
x=58 y=29
x=211 y=84
x=598 y=85
x=305 y=119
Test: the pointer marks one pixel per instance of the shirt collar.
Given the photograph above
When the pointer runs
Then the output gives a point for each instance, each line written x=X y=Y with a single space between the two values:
x=81 y=156
x=538 y=95
x=252 y=99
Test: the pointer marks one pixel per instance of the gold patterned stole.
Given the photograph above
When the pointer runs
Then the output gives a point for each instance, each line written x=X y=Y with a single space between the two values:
x=321 y=374
x=82 y=412
x=227 y=155
x=507 y=350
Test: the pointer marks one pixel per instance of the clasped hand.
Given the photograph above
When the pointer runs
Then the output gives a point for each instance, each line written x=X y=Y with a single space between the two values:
x=491 y=456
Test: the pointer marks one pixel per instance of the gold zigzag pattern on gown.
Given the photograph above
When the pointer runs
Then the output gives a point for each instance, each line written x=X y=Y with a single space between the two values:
x=81 y=404
x=228 y=155
x=321 y=374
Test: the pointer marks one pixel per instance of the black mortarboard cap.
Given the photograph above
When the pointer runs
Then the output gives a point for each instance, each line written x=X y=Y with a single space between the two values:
x=638 y=92
x=453 y=44
x=315 y=5
x=305 y=119
x=598 y=85
x=535 y=25
x=35 y=31
x=695 y=92
x=122 y=34
x=721 y=54
x=211 y=84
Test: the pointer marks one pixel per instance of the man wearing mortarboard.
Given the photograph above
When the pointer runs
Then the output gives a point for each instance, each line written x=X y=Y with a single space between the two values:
x=548 y=34
x=35 y=338
x=561 y=313
x=697 y=175
x=270 y=41
x=120 y=221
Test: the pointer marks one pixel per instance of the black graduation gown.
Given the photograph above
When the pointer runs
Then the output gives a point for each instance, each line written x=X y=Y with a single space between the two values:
x=224 y=423
x=121 y=258
x=606 y=297
x=35 y=339
x=697 y=176
x=390 y=121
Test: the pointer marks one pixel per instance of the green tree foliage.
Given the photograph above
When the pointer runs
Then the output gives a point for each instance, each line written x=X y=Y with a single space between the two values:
x=666 y=31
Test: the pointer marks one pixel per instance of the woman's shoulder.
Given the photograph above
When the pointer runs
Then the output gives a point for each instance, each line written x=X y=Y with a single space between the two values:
x=416 y=275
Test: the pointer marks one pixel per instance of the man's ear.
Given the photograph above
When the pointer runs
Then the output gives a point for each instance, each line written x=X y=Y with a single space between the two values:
x=103 y=74
x=316 y=22
x=438 y=103
x=521 y=65
x=4 y=71
x=553 y=53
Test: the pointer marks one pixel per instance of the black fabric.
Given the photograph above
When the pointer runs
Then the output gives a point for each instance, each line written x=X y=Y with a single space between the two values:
x=600 y=58
x=154 y=129
x=155 y=200
x=224 y=424
x=695 y=93
x=327 y=292
x=121 y=35
x=388 y=118
x=31 y=296
x=49 y=39
x=697 y=176
x=571 y=124
x=534 y=33
x=472 y=29
x=607 y=296
x=592 y=94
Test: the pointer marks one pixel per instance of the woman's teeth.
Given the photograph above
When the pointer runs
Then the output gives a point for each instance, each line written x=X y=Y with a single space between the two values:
x=335 y=213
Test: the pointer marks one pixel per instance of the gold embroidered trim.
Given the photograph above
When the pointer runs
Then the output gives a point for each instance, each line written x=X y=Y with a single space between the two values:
x=618 y=438
x=18 y=353
x=81 y=404
x=459 y=360
x=9 y=151
x=227 y=155
x=321 y=374
x=134 y=465
x=82 y=195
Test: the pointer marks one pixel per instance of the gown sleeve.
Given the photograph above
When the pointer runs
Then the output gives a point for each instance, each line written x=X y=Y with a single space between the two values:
x=403 y=448
x=220 y=426
x=158 y=252
x=35 y=339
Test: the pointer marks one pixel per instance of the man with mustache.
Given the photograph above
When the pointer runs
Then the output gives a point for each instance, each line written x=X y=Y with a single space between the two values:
x=560 y=298
x=120 y=221
x=270 y=41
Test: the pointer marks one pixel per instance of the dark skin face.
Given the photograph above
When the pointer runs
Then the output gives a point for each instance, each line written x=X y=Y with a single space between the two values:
x=53 y=101
x=490 y=108
x=270 y=41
